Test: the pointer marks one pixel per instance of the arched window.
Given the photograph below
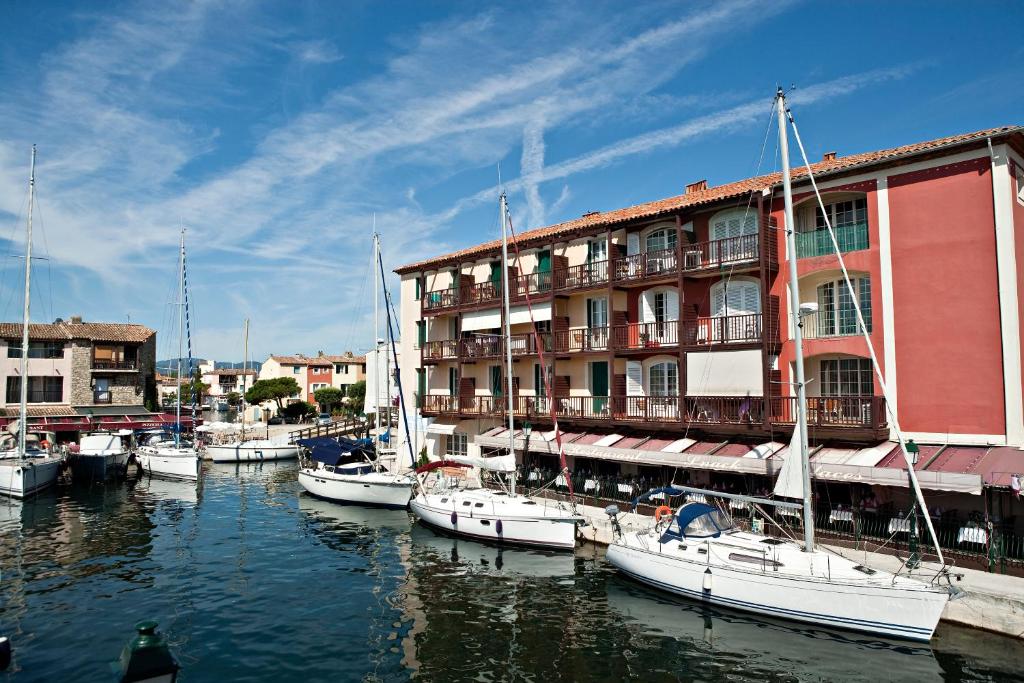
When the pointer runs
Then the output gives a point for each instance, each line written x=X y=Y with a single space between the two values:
x=660 y=240
x=663 y=379
x=733 y=223
x=735 y=296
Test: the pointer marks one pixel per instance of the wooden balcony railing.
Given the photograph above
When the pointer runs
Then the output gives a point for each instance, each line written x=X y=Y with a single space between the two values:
x=114 y=365
x=582 y=276
x=579 y=339
x=645 y=265
x=440 y=299
x=720 y=252
x=723 y=329
x=864 y=412
x=480 y=293
x=445 y=349
x=644 y=336
x=534 y=284
x=480 y=346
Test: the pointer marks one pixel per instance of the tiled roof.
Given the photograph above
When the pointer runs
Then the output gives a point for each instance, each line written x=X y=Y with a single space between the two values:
x=230 y=371
x=40 y=411
x=318 y=361
x=741 y=188
x=346 y=359
x=66 y=331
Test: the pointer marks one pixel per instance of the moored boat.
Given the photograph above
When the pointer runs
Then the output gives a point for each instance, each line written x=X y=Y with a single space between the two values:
x=99 y=457
x=346 y=471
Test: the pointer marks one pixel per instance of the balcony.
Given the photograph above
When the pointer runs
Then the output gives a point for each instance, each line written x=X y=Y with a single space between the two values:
x=646 y=266
x=114 y=365
x=480 y=293
x=102 y=397
x=645 y=336
x=444 y=349
x=726 y=329
x=440 y=299
x=851 y=237
x=825 y=416
x=582 y=276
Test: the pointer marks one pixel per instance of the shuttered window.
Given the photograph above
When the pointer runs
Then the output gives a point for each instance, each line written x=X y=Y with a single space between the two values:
x=660 y=240
x=733 y=223
x=634 y=378
x=663 y=379
x=421 y=333
x=735 y=297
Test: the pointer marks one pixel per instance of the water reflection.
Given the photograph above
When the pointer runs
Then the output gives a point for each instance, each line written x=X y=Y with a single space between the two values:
x=757 y=648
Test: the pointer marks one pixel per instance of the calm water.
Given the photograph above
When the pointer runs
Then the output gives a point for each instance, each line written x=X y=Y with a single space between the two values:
x=252 y=581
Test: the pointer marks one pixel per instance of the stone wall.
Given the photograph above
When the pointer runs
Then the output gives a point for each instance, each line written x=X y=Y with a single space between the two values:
x=127 y=388
x=81 y=372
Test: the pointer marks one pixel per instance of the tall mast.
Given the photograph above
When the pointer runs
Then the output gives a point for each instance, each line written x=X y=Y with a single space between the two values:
x=245 y=374
x=376 y=332
x=181 y=334
x=23 y=405
x=794 y=312
x=508 y=334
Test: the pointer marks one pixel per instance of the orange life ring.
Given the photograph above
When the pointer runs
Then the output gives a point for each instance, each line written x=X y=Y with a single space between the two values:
x=661 y=511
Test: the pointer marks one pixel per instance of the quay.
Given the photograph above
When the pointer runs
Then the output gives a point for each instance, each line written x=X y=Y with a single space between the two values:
x=992 y=602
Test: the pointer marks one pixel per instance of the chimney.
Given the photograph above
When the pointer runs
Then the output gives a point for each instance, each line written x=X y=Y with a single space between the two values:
x=828 y=156
x=76 y=320
x=698 y=186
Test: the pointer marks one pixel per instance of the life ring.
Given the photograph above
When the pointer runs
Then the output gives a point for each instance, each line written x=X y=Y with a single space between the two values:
x=661 y=511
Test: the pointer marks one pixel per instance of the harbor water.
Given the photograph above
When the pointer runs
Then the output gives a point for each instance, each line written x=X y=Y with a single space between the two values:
x=251 y=580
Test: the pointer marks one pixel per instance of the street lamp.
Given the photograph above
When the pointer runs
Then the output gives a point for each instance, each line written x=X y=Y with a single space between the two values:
x=914 y=561
x=527 y=430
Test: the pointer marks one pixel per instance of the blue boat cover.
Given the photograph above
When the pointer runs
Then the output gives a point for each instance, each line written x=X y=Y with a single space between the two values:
x=690 y=512
x=331 y=451
x=670 y=490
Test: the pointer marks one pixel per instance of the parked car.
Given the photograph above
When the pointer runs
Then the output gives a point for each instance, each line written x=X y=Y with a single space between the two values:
x=324 y=419
x=276 y=420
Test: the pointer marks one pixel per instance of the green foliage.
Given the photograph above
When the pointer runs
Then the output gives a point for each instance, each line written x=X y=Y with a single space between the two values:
x=424 y=459
x=299 y=409
x=328 y=397
x=234 y=398
x=276 y=390
x=356 y=396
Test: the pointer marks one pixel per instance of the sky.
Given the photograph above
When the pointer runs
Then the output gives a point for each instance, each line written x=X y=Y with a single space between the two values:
x=279 y=134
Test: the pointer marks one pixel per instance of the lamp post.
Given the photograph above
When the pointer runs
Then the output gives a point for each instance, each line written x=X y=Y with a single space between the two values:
x=527 y=430
x=914 y=561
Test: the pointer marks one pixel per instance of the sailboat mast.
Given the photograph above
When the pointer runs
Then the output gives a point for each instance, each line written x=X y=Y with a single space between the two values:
x=794 y=311
x=376 y=332
x=181 y=334
x=505 y=297
x=23 y=399
x=245 y=373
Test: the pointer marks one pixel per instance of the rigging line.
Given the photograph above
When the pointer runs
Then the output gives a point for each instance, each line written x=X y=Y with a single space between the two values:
x=862 y=327
x=46 y=250
x=20 y=220
x=388 y=307
x=548 y=389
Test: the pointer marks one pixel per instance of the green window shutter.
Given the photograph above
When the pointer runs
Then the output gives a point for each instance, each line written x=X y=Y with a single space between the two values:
x=544 y=262
x=421 y=382
x=419 y=290
x=421 y=332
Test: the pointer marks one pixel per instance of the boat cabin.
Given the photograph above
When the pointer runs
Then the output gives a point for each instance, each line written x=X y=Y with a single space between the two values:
x=698 y=520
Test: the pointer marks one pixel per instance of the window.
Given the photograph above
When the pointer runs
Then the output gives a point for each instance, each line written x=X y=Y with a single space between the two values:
x=662 y=239
x=836 y=314
x=421 y=333
x=735 y=297
x=419 y=288
x=849 y=219
x=495 y=375
x=847 y=377
x=296 y=369
x=453 y=381
x=43 y=349
x=660 y=306
x=663 y=379
x=40 y=389
x=457 y=444
x=597 y=313
x=733 y=223
x=842 y=214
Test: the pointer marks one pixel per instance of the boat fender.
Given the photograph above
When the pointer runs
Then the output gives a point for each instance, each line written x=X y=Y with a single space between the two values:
x=5 y=653
x=707 y=580
x=455 y=517
x=661 y=511
x=497 y=527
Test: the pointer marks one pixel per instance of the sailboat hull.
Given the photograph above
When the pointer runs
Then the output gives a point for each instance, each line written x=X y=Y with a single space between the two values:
x=377 y=489
x=901 y=608
x=244 y=452
x=170 y=463
x=484 y=516
x=20 y=478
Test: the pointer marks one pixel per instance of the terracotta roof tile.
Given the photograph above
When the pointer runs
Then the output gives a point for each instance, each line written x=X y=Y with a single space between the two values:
x=711 y=195
x=64 y=331
x=231 y=371
x=40 y=411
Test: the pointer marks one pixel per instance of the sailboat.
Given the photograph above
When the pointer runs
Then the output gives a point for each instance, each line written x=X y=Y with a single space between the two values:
x=25 y=467
x=348 y=471
x=503 y=515
x=258 y=449
x=697 y=552
x=161 y=456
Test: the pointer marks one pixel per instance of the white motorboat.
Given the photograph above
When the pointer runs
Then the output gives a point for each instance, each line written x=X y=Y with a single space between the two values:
x=463 y=508
x=99 y=457
x=698 y=553
x=25 y=466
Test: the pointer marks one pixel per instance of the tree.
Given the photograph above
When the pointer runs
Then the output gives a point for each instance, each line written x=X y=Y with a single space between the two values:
x=328 y=397
x=276 y=390
x=299 y=409
x=357 y=396
x=234 y=398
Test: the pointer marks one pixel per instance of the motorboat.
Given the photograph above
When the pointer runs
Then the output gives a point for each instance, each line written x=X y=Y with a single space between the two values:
x=100 y=456
x=161 y=455
x=256 y=450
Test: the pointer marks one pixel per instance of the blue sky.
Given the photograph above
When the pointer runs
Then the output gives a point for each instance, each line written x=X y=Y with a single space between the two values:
x=275 y=132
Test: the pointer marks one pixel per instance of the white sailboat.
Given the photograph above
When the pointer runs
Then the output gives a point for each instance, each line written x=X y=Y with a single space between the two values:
x=698 y=553
x=356 y=475
x=244 y=450
x=25 y=467
x=501 y=516
x=161 y=456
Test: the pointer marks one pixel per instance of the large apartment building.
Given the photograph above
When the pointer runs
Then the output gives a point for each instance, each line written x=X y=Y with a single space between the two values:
x=81 y=375
x=665 y=327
